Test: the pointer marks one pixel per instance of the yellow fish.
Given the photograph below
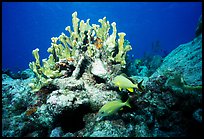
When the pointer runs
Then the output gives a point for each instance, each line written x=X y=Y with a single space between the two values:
x=111 y=107
x=123 y=82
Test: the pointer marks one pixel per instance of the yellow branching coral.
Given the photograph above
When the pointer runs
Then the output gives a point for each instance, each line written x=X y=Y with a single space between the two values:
x=84 y=40
x=110 y=42
x=120 y=57
x=102 y=32
x=75 y=21
x=44 y=73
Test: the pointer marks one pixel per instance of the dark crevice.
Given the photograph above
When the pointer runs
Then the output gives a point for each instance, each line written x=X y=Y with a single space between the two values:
x=70 y=70
x=195 y=129
x=99 y=79
x=48 y=89
x=72 y=120
x=115 y=51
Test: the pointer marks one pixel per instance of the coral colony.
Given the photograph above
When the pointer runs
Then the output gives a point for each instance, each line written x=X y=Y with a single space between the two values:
x=87 y=46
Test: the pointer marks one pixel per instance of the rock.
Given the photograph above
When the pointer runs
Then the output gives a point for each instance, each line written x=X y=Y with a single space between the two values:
x=108 y=129
x=20 y=74
x=60 y=100
x=16 y=75
x=15 y=93
x=43 y=117
x=15 y=100
x=143 y=71
x=141 y=130
x=98 y=68
x=27 y=74
x=155 y=62
x=17 y=124
x=175 y=91
x=57 y=132
x=105 y=128
x=73 y=93
x=69 y=83
x=68 y=135
x=6 y=78
x=33 y=134
x=186 y=60
x=197 y=115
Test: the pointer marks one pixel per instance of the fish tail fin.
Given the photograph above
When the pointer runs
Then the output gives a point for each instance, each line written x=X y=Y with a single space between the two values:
x=127 y=103
x=139 y=86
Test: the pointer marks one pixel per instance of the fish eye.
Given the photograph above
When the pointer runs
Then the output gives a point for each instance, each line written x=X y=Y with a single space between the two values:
x=102 y=112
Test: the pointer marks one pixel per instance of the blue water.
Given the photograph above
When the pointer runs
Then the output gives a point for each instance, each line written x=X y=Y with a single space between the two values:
x=27 y=26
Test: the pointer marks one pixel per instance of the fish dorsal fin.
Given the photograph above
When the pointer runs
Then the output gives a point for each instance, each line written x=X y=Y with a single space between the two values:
x=123 y=74
x=132 y=80
x=130 y=89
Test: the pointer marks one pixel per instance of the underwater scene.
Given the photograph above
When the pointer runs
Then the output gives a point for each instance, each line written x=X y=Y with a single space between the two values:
x=102 y=69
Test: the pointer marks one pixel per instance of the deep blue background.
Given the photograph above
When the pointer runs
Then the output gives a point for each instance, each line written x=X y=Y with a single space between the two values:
x=27 y=26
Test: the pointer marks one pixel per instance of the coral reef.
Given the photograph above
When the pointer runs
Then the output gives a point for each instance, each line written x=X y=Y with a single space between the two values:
x=85 y=62
x=62 y=97
x=87 y=47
